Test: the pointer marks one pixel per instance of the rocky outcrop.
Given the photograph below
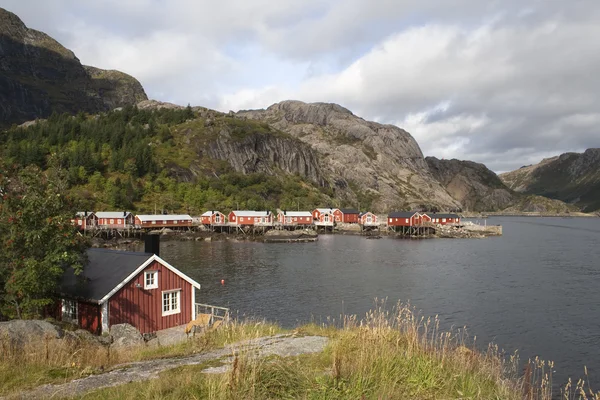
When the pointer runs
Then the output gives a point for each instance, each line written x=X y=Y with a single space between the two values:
x=125 y=335
x=267 y=153
x=38 y=76
x=116 y=88
x=472 y=184
x=19 y=332
x=355 y=155
x=571 y=177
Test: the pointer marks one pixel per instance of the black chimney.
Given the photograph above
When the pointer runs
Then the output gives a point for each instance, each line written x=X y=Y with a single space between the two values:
x=152 y=244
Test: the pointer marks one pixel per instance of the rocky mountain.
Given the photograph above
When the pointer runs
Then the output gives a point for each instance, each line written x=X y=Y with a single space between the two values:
x=472 y=184
x=361 y=161
x=571 y=177
x=38 y=76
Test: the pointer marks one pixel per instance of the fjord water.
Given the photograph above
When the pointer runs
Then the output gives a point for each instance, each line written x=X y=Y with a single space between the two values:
x=536 y=289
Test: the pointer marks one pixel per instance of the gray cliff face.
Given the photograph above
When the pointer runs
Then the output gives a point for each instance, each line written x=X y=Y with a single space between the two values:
x=269 y=154
x=38 y=76
x=571 y=177
x=382 y=161
x=472 y=184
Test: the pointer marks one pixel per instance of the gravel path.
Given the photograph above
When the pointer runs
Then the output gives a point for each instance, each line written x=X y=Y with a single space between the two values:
x=281 y=345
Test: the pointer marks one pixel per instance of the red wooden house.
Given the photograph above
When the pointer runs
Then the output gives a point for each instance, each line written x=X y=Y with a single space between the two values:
x=326 y=216
x=114 y=219
x=85 y=220
x=211 y=218
x=295 y=218
x=250 y=218
x=349 y=215
x=368 y=219
x=118 y=287
x=163 y=221
x=410 y=218
x=444 y=219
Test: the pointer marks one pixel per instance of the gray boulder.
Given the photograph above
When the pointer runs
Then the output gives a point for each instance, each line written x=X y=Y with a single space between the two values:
x=125 y=335
x=23 y=331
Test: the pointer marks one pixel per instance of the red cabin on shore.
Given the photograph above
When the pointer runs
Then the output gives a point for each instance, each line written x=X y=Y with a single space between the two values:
x=349 y=215
x=163 y=221
x=250 y=218
x=368 y=219
x=403 y=218
x=85 y=220
x=211 y=218
x=326 y=216
x=295 y=218
x=114 y=219
x=444 y=219
x=117 y=287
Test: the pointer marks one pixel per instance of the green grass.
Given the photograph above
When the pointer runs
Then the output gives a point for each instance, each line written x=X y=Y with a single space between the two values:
x=38 y=363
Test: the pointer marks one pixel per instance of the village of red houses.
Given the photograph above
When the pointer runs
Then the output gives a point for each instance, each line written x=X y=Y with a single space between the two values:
x=320 y=218
x=145 y=291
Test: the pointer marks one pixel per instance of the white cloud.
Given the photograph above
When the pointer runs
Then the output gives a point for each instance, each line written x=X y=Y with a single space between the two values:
x=500 y=82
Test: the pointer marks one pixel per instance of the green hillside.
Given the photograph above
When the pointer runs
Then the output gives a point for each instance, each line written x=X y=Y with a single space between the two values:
x=143 y=160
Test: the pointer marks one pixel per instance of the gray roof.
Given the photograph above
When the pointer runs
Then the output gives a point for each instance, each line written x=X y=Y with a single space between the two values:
x=103 y=272
x=402 y=214
x=435 y=215
x=349 y=211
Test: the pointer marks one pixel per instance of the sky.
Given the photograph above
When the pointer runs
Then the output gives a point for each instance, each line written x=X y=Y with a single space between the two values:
x=502 y=82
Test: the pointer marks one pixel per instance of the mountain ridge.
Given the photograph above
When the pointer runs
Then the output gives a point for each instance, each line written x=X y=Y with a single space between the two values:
x=39 y=76
x=337 y=156
x=570 y=177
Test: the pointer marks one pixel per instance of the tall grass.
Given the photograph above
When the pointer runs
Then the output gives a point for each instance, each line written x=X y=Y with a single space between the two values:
x=31 y=363
x=386 y=354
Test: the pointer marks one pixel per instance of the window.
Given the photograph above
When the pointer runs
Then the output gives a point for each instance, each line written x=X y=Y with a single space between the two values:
x=164 y=222
x=153 y=222
x=79 y=222
x=175 y=221
x=69 y=311
x=217 y=218
x=443 y=219
x=112 y=221
x=171 y=302
x=407 y=220
x=151 y=280
x=326 y=218
x=119 y=221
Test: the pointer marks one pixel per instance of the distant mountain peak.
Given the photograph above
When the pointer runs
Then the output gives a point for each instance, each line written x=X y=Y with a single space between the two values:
x=41 y=76
x=570 y=177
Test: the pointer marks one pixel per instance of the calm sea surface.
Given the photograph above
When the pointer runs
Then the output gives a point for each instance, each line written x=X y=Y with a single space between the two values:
x=536 y=289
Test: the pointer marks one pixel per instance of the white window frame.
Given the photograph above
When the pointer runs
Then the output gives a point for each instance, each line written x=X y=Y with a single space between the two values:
x=112 y=221
x=154 y=222
x=154 y=275
x=217 y=219
x=407 y=220
x=67 y=311
x=443 y=219
x=169 y=310
x=164 y=221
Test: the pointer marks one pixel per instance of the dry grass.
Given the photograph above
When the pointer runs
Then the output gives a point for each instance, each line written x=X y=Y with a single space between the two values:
x=387 y=354
x=30 y=364
x=395 y=354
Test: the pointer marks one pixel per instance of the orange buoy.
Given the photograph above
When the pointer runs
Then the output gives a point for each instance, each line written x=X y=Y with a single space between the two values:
x=222 y=281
